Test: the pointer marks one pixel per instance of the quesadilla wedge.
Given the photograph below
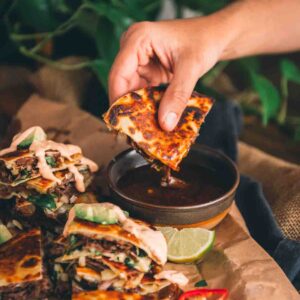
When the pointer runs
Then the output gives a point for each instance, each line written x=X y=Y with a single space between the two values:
x=21 y=271
x=31 y=155
x=135 y=115
x=108 y=295
x=137 y=236
x=107 y=250
x=51 y=197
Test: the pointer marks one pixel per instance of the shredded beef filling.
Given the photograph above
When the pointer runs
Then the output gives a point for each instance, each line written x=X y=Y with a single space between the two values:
x=27 y=167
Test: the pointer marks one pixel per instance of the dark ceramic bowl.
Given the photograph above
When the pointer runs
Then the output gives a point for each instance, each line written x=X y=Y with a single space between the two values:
x=205 y=215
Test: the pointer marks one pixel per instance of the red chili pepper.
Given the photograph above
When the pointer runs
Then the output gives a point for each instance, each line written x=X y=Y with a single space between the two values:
x=222 y=293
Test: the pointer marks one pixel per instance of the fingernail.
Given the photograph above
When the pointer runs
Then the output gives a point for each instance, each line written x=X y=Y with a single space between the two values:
x=170 y=120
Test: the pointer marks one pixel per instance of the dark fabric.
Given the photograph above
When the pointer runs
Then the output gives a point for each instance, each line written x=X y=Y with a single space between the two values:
x=221 y=131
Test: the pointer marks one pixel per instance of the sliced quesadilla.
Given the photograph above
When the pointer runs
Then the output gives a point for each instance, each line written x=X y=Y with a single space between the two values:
x=135 y=115
x=109 y=295
x=53 y=198
x=107 y=250
x=31 y=155
x=21 y=271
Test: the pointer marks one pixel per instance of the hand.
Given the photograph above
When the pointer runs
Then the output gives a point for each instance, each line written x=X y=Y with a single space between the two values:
x=178 y=52
x=181 y=51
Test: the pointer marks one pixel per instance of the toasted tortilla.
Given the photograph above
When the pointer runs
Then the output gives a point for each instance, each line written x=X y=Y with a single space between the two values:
x=111 y=232
x=135 y=115
x=43 y=185
x=108 y=295
x=12 y=165
x=21 y=259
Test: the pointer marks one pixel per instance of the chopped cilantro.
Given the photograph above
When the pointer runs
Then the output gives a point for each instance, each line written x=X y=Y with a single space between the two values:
x=43 y=201
x=140 y=252
x=50 y=161
x=97 y=252
x=73 y=240
x=129 y=262
x=25 y=173
x=201 y=283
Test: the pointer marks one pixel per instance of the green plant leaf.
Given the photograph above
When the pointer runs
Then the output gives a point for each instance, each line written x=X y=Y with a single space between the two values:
x=204 y=6
x=297 y=134
x=37 y=14
x=101 y=68
x=268 y=94
x=290 y=70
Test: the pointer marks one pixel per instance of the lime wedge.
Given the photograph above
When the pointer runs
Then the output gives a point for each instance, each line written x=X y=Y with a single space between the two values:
x=188 y=244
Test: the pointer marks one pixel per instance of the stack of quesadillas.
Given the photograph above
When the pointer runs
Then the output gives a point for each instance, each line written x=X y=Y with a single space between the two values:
x=107 y=250
x=43 y=175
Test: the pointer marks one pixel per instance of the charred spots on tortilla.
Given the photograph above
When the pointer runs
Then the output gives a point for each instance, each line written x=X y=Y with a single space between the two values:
x=136 y=96
x=148 y=135
x=116 y=111
x=29 y=263
x=131 y=130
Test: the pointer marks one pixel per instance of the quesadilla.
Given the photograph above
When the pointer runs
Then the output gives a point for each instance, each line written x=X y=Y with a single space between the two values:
x=135 y=115
x=31 y=155
x=21 y=271
x=107 y=250
x=108 y=295
x=43 y=175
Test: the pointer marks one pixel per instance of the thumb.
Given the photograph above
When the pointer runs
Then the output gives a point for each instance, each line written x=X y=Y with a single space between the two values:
x=177 y=94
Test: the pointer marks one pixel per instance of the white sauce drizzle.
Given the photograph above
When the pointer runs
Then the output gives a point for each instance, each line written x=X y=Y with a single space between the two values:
x=79 y=179
x=173 y=276
x=39 y=147
x=92 y=165
x=152 y=239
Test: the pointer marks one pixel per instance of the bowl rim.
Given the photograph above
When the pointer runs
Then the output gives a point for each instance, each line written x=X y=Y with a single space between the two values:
x=113 y=186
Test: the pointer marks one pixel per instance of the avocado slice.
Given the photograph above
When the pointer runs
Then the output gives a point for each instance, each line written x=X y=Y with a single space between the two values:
x=96 y=212
x=36 y=134
x=5 y=235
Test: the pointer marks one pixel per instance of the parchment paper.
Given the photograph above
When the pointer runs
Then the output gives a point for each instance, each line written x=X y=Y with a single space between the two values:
x=237 y=262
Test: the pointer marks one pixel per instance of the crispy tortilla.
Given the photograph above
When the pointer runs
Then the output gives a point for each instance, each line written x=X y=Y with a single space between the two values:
x=12 y=162
x=135 y=114
x=20 y=259
x=43 y=185
x=108 y=295
x=112 y=232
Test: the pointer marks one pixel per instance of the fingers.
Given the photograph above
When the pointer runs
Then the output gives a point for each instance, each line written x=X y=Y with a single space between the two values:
x=121 y=77
x=135 y=51
x=177 y=94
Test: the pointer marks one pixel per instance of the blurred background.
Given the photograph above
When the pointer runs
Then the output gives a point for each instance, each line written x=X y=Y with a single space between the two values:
x=63 y=50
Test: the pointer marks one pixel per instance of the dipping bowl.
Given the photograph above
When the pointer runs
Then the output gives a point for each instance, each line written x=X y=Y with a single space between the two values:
x=206 y=215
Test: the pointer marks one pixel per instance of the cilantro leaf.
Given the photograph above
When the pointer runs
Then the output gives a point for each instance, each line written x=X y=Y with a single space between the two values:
x=50 y=161
x=201 y=283
x=43 y=201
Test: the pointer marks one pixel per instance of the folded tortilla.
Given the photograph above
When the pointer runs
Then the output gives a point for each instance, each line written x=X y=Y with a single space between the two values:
x=108 y=295
x=135 y=115
x=21 y=269
x=113 y=233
